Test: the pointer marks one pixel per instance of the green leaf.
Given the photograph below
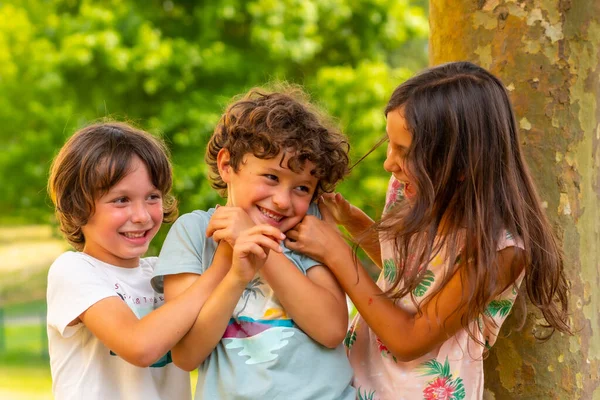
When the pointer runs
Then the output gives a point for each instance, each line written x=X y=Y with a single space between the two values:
x=499 y=307
x=425 y=283
x=389 y=270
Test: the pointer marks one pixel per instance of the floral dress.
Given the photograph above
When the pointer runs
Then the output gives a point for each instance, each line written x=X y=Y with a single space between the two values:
x=451 y=371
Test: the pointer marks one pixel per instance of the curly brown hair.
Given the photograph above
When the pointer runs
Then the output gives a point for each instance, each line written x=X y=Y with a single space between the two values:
x=267 y=123
x=95 y=159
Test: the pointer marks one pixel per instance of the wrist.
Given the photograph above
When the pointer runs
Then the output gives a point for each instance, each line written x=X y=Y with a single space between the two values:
x=236 y=281
x=337 y=251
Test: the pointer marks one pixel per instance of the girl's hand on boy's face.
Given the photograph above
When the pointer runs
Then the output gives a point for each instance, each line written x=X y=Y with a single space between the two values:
x=252 y=248
x=227 y=223
x=316 y=238
x=339 y=208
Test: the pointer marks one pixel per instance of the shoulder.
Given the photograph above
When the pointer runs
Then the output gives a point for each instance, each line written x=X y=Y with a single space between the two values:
x=195 y=218
x=190 y=227
x=508 y=239
x=70 y=260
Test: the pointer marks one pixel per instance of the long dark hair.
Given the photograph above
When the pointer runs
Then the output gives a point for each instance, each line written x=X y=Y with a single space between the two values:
x=472 y=186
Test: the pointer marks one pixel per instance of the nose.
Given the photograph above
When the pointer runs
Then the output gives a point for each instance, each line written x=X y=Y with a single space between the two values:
x=281 y=199
x=391 y=164
x=140 y=214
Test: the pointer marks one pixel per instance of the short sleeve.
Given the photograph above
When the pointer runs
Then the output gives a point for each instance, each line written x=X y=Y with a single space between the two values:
x=499 y=308
x=74 y=285
x=183 y=248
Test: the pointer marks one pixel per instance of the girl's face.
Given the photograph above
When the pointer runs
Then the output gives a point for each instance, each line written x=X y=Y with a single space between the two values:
x=125 y=220
x=399 y=141
x=267 y=190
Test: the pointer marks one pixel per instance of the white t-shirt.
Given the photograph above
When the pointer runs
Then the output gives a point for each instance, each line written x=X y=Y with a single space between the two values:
x=82 y=367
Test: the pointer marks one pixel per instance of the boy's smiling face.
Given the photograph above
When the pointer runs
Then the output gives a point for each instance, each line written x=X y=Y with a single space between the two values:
x=268 y=190
x=125 y=220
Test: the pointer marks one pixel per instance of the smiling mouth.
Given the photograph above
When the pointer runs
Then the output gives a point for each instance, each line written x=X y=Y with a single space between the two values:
x=134 y=235
x=270 y=214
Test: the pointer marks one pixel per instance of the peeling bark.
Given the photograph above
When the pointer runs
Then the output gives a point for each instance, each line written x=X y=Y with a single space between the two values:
x=547 y=52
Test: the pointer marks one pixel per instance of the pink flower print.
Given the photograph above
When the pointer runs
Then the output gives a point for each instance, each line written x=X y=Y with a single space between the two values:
x=394 y=193
x=384 y=350
x=439 y=389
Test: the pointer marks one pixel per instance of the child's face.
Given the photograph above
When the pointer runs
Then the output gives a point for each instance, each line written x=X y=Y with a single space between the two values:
x=268 y=191
x=399 y=141
x=126 y=219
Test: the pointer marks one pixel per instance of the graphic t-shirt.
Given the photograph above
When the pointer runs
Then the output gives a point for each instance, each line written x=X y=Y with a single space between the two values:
x=453 y=370
x=263 y=354
x=82 y=367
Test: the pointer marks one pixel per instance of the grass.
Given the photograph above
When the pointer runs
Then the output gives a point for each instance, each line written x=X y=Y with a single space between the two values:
x=26 y=253
x=25 y=382
x=24 y=368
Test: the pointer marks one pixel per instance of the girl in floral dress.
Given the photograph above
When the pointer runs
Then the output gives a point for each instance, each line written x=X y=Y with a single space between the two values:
x=462 y=228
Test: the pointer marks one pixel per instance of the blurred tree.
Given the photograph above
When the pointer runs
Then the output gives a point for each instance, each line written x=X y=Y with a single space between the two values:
x=172 y=66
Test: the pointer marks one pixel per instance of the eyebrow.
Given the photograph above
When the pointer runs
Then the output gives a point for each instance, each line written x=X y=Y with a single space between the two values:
x=279 y=170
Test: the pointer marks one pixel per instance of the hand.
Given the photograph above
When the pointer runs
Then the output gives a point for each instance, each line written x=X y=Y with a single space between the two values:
x=339 y=208
x=252 y=248
x=316 y=238
x=227 y=223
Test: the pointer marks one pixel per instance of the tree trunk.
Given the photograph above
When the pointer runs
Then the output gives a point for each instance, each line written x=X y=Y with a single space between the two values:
x=547 y=54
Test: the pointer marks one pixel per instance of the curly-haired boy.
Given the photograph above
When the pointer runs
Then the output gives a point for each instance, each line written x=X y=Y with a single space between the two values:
x=274 y=322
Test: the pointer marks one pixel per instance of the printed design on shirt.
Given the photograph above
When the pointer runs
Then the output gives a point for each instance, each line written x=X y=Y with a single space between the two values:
x=258 y=339
x=389 y=270
x=394 y=195
x=499 y=308
x=425 y=284
x=442 y=386
x=251 y=290
x=350 y=337
x=362 y=394
x=384 y=351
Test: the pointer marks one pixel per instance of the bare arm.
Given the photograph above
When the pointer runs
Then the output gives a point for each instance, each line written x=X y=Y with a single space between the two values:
x=183 y=352
x=406 y=336
x=356 y=223
x=314 y=301
x=142 y=342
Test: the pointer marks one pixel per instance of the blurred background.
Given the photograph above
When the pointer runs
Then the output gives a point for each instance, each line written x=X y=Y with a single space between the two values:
x=170 y=67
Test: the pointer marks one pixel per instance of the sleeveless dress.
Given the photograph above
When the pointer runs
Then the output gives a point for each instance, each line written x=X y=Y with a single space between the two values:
x=451 y=371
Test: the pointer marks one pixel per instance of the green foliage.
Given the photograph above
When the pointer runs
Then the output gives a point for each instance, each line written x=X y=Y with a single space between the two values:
x=172 y=66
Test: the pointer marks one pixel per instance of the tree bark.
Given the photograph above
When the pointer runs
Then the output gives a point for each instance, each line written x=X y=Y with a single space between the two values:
x=547 y=54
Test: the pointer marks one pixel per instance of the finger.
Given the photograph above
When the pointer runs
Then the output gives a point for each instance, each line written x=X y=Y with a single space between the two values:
x=328 y=196
x=292 y=234
x=250 y=248
x=220 y=234
x=325 y=212
x=291 y=244
x=268 y=230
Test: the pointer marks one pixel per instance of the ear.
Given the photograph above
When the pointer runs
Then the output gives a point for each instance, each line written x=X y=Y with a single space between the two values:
x=224 y=166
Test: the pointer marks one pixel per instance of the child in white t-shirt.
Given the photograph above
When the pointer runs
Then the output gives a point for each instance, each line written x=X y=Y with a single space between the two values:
x=108 y=338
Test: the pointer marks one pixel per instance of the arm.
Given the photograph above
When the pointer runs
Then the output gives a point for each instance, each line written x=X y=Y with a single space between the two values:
x=355 y=221
x=225 y=226
x=406 y=336
x=249 y=254
x=314 y=301
x=143 y=341
x=184 y=352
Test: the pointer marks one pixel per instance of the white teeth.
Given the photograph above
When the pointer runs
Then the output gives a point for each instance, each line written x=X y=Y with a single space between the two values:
x=132 y=235
x=269 y=214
